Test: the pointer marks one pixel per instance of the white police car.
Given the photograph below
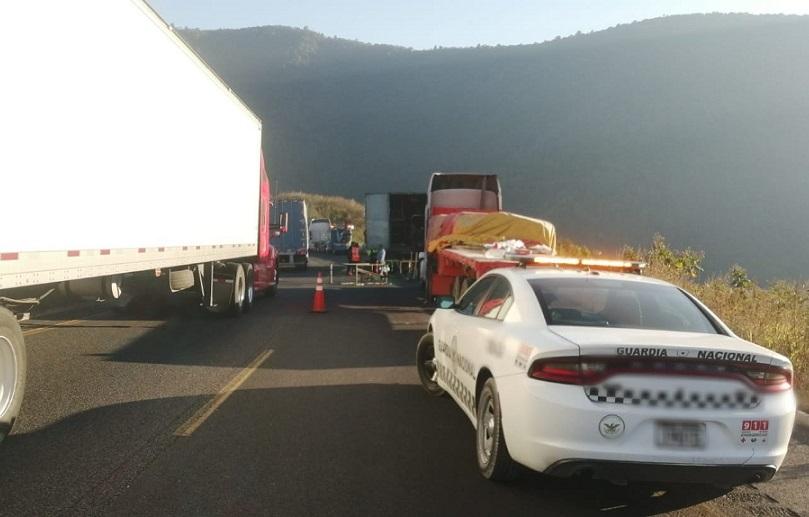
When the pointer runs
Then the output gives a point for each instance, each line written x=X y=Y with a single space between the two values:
x=612 y=375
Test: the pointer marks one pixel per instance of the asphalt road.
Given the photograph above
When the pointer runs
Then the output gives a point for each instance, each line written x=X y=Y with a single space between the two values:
x=283 y=412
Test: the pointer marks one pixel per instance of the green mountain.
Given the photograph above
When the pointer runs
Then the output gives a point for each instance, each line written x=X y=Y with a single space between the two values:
x=696 y=127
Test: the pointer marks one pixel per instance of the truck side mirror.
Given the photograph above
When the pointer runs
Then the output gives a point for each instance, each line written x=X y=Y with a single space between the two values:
x=446 y=302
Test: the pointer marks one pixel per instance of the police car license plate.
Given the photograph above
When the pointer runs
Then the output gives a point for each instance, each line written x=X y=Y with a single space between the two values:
x=680 y=435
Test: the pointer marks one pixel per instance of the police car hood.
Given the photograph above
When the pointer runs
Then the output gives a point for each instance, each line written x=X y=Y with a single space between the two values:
x=600 y=341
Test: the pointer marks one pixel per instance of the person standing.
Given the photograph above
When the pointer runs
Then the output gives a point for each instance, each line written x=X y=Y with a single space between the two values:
x=380 y=260
x=354 y=257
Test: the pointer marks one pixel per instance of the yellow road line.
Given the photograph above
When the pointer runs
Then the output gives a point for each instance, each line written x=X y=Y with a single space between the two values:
x=202 y=414
x=33 y=332
x=40 y=330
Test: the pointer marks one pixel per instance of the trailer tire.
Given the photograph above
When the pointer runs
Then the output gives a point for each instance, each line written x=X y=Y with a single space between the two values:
x=13 y=365
x=249 y=288
x=273 y=289
x=456 y=289
x=429 y=265
x=236 y=273
x=466 y=283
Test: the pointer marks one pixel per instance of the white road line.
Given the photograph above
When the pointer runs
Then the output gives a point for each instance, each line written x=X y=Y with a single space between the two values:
x=202 y=414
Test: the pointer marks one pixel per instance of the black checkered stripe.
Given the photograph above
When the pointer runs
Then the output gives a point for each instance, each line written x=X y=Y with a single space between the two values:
x=456 y=386
x=613 y=394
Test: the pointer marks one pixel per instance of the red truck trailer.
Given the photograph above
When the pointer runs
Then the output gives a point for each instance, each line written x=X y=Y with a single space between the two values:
x=464 y=222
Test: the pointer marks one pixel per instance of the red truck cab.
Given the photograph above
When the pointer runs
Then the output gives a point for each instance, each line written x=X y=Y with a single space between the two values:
x=449 y=193
x=265 y=270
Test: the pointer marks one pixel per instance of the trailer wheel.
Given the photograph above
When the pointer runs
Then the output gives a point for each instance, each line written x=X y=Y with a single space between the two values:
x=236 y=273
x=466 y=283
x=273 y=289
x=428 y=299
x=456 y=289
x=249 y=289
x=12 y=371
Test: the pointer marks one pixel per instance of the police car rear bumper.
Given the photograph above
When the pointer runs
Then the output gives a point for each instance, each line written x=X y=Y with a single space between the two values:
x=547 y=424
x=662 y=472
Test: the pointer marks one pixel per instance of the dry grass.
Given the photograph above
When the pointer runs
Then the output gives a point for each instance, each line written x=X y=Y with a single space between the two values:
x=337 y=209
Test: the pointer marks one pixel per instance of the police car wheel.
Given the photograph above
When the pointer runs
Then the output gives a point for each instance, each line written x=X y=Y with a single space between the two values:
x=494 y=461
x=427 y=367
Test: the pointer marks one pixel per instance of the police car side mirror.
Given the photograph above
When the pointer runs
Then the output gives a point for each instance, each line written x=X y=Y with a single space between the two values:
x=446 y=302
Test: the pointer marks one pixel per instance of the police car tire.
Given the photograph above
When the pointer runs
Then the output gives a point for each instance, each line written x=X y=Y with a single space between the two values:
x=425 y=352
x=499 y=466
x=11 y=334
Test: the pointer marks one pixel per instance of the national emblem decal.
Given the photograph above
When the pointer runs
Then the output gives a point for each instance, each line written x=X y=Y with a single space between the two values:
x=611 y=426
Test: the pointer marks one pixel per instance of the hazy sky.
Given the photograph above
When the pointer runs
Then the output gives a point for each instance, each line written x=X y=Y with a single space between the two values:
x=449 y=23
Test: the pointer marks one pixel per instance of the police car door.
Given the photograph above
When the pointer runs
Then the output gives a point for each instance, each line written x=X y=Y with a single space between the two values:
x=458 y=345
x=485 y=339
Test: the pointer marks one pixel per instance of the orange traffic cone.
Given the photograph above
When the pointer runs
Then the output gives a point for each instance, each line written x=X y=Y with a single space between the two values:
x=319 y=301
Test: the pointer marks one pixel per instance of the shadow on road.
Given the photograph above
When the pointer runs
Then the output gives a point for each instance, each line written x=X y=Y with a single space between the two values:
x=292 y=452
x=363 y=328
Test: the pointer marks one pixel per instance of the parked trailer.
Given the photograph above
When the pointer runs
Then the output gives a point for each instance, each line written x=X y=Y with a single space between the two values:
x=341 y=238
x=128 y=167
x=320 y=234
x=293 y=244
x=468 y=234
x=395 y=221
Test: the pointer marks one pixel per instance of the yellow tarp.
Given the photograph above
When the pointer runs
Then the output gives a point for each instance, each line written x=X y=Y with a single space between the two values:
x=479 y=228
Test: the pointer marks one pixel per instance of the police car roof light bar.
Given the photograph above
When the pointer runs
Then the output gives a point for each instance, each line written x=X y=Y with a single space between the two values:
x=632 y=266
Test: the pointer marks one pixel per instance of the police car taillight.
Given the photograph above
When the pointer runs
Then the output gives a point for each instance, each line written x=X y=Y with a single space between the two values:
x=568 y=370
x=587 y=371
x=770 y=378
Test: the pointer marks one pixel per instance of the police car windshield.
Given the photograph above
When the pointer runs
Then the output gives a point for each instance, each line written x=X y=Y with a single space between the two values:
x=596 y=302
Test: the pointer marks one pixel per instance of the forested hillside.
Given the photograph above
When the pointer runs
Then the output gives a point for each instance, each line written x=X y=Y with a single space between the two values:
x=696 y=127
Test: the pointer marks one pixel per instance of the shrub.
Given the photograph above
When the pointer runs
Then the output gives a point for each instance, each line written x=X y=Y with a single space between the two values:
x=337 y=209
x=568 y=248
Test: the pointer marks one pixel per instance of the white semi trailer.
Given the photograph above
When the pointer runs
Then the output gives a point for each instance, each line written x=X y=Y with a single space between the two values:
x=126 y=165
